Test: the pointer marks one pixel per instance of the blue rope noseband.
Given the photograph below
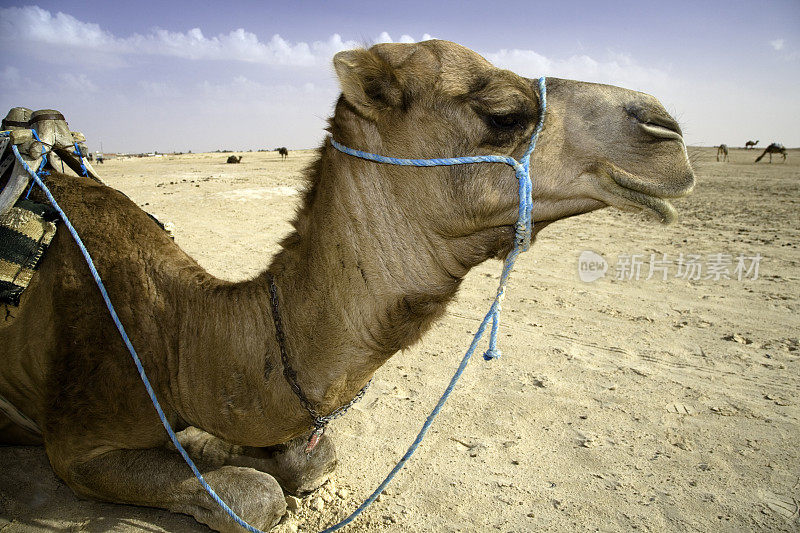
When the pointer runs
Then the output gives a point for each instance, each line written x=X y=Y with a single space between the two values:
x=521 y=244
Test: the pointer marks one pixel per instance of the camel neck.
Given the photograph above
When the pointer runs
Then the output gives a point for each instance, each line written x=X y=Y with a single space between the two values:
x=358 y=280
x=320 y=420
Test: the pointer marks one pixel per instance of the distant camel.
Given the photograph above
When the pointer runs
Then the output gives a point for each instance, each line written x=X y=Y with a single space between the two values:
x=234 y=159
x=774 y=148
x=284 y=152
x=722 y=149
x=750 y=144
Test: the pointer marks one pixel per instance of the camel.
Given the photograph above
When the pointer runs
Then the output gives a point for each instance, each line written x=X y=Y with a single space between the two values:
x=750 y=144
x=234 y=159
x=774 y=148
x=376 y=254
x=283 y=152
x=723 y=150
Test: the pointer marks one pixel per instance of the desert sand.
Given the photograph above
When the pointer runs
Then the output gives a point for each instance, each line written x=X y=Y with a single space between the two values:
x=620 y=404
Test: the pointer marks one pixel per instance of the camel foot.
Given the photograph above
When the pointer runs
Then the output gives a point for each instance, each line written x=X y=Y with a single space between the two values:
x=157 y=477
x=297 y=472
x=254 y=496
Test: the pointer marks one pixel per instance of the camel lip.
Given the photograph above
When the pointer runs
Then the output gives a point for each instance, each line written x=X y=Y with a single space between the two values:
x=629 y=192
x=628 y=181
x=637 y=200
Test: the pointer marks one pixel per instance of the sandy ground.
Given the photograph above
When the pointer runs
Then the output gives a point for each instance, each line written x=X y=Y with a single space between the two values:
x=618 y=405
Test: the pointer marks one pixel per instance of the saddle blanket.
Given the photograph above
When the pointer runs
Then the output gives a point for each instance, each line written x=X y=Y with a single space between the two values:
x=26 y=231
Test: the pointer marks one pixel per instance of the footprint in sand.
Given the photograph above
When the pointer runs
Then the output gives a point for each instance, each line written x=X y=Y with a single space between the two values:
x=785 y=506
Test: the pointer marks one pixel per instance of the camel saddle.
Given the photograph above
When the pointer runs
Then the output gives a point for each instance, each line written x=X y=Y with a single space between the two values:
x=44 y=141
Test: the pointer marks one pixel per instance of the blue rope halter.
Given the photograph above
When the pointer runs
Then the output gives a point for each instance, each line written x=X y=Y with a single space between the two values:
x=521 y=244
x=522 y=230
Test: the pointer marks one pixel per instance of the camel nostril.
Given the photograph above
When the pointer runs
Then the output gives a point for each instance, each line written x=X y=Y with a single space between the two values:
x=666 y=123
x=654 y=121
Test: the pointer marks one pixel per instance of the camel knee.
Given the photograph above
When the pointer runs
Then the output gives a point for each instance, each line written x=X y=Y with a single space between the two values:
x=205 y=448
x=296 y=471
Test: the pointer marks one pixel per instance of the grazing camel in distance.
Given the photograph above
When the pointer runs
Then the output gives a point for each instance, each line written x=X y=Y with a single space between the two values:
x=377 y=253
x=722 y=149
x=234 y=159
x=284 y=153
x=750 y=144
x=774 y=148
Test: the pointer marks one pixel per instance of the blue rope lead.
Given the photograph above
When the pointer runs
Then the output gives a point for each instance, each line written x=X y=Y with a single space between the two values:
x=521 y=244
x=130 y=347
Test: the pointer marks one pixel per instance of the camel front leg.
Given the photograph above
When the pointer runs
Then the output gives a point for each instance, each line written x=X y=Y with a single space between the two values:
x=158 y=477
x=297 y=472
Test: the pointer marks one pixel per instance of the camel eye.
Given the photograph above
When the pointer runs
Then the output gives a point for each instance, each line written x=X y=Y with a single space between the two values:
x=506 y=122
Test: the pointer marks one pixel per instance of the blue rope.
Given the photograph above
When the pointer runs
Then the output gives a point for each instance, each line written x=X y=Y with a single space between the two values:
x=130 y=347
x=521 y=244
x=84 y=171
x=41 y=165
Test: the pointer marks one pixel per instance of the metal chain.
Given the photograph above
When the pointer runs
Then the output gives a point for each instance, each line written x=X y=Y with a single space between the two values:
x=291 y=375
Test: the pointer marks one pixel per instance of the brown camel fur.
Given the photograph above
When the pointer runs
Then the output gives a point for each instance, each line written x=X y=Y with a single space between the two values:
x=377 y=253
x=722 y=150
x=773 y=148
x=750 y=144
x=284 y=152
x=234 y=159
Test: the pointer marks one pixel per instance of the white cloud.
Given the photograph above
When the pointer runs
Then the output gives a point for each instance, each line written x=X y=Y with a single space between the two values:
x=384 y=37
x=34 y=25
x=77 y=82
x=10 y=76
x=777 y=44
x=242 y=91
x=617 y=69
x=157 y=89
x=13 y=82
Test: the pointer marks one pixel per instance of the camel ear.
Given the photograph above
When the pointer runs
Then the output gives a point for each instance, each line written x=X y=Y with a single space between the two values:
x=368 y=82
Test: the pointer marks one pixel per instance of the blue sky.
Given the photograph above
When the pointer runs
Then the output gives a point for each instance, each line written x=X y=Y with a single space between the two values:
x=183 y=76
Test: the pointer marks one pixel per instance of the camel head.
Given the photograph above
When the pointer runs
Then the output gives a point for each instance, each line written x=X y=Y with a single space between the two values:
x=600 y=146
